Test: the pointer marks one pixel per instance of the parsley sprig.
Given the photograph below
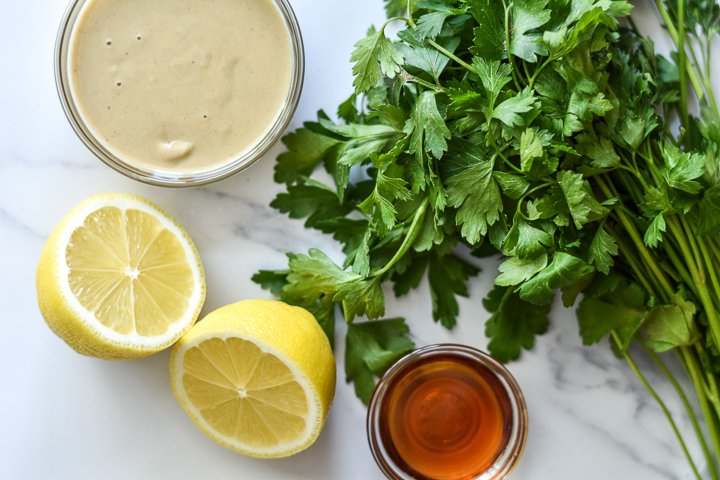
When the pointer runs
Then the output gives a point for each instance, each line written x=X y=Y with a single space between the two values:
x=527 y=129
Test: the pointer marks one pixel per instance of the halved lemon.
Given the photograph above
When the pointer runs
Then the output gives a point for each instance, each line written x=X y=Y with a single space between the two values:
x=119 y=278
x=257 y=376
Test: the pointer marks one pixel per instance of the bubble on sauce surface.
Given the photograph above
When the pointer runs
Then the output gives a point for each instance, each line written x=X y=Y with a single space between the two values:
x=175 y=150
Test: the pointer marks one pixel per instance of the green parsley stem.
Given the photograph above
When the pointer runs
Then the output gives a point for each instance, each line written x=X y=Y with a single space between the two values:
x=525 y=69
x=710 y=267
x=633 y=158
x=629 y=257
x=539 y=70
x=413 y=79
x=684 y=226
x=710 y=384
x=410 y=8
x=518 y=209
x=452 y=56
x=631 y=171
x=628 y=185
x=697 y=86
x=711 y=381
x=499 y=153
x=711 y=420
x=507 y=47
x=639 y=244
x=648 y=157
x=679 y=265
x=656 y=280
x=534 y=190
x=715 y=248
x=686 y=252
x=410 y=237
x=694 y=62
x=506 y=161
x=394 y=19
x=652 y=168
x=682 y=63
x=689 y=410
x=669 y=269
x=698 y=278
x=663 y=406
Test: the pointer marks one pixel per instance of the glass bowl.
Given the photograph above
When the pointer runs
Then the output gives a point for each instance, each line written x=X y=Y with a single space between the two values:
x=515 y=413
x=164 y=177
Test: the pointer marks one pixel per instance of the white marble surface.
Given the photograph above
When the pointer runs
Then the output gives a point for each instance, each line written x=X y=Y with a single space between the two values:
x=63 y=416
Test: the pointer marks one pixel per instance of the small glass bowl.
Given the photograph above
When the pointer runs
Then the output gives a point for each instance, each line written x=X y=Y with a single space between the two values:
x=164 y=178
x=509 y=455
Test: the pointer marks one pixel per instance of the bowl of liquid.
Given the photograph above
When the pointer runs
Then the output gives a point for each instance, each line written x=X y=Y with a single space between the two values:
x=447 y=412
x=179 y=92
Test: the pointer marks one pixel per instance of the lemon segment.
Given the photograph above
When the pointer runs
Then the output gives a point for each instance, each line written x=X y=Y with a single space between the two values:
x=119 y=278
x=257 y=377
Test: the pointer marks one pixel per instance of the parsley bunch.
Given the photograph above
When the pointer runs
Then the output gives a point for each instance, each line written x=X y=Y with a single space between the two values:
x=528 y=129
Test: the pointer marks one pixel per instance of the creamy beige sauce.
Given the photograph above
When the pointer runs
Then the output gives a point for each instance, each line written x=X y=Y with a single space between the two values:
x=180 y=85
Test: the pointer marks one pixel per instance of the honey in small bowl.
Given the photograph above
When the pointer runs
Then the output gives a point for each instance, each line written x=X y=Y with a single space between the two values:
x=447 y=412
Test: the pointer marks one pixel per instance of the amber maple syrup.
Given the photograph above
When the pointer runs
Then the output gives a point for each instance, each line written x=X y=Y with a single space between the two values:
x=445 y=416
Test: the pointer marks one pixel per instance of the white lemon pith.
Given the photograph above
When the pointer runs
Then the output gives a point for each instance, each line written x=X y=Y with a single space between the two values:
x=119 y=278
x=257 y=376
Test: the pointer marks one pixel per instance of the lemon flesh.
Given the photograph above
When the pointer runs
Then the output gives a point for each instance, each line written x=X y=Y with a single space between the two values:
x=257 y=377
x=119 y=278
